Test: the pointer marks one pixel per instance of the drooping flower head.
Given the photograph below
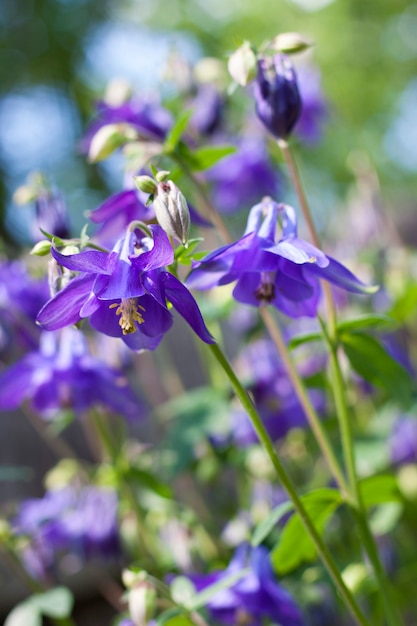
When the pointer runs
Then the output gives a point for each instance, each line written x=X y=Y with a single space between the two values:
x=63 y=374
x=255 y=597
x=284 y=273
x=124 y=293
x=277 y=97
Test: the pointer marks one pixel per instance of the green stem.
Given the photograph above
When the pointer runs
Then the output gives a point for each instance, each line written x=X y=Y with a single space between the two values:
x=342 y=410
x=288 y=486
x=299 y=387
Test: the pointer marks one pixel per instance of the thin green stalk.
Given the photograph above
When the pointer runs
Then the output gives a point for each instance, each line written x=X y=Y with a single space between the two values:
x=285 y=480
x=299 y=387
x=339 y=394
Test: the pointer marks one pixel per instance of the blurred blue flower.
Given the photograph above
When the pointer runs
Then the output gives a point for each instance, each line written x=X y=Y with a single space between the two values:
x=239 y=179
x=207 y=106
x=51 y=215
x=255 y=597
x=77 y=521
x=151 y=120
x=285 y=273
x=124 y=293
x=63 y=374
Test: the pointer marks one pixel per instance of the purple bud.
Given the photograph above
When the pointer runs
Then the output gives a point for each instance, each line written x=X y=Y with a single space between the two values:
x=277 y=98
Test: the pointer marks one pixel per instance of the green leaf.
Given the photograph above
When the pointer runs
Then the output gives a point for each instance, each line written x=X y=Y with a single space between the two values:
x=267 y=525
x=295 y=544
x=379 y=489
x=204 y=158
x=304 y=338
x=24 y=614
x=177 y=131
x=56 y=603
x=373 y=363
x=405 y=307
x=148 y=480
x=373 y=321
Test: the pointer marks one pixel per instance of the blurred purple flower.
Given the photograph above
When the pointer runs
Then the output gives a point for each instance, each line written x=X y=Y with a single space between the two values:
x=241 y=178
x=63 y=374
x=403 y=441
x=314 y=109
x=21 y=297
x=207 y=107
x=273 y=393
x=253 y=598
x=285 y=273
x=51 y=215
x=125 y=292
x=277 y=98
x=151 y=120
x=81 y=522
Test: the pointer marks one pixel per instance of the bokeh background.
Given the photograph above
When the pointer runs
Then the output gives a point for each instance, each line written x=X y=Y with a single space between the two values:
x=57 y=56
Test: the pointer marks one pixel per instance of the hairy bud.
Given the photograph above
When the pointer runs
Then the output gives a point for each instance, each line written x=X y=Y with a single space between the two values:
x=171 y=210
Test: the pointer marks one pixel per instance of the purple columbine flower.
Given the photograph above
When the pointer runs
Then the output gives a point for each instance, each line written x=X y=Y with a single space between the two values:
x=255 y=597
x=242 y=177
x=208 y=107
x=277 y=97
x=63 y=374
x=273 y=393
x=124 y=293
x=285 y=273
x=82 y=522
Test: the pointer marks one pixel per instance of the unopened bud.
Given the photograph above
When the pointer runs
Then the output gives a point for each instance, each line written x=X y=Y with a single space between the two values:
x=145 y=184
x=242 y=64
x=291 y=43
x=108 y=138
x=171 y=210
x=142 y=603
x=24 y=194
x=118 y=91
x=42 y=248
x=162 y=176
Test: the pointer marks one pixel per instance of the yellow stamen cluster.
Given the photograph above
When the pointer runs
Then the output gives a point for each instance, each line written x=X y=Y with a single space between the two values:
x=128 y=310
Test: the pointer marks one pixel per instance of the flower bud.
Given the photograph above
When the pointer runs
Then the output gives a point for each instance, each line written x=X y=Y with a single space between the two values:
x=172 y=211
x=108 y=138
x=145 y=183
x=142 y=603
x=42 y=248
x=290 y=43
x=242 y=64
x=277 y=98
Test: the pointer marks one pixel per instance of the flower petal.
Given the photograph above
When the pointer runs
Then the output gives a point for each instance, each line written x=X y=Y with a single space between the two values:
x=64 y=308
x=339 y=275
x=186 y=306
x=160 y=255
x=90 y=261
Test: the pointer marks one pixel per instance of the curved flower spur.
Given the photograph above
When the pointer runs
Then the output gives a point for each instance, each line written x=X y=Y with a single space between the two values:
x=285 y=273
x=124 y=293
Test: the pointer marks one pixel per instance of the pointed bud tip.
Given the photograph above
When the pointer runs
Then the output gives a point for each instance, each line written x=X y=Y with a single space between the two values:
x=291 y=43
x=242 y=64
x=145 y=184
